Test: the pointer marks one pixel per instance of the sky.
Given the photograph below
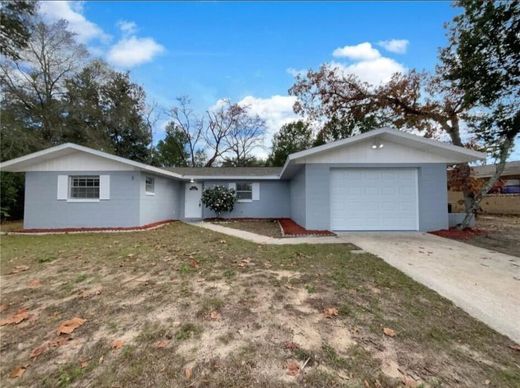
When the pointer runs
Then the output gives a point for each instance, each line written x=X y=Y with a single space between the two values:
x=249 y=52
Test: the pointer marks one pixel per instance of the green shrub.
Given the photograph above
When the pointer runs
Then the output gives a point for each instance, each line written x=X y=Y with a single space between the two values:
x=220 y=199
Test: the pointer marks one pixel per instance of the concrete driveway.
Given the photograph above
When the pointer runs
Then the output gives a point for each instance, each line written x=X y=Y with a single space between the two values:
x=484 y=283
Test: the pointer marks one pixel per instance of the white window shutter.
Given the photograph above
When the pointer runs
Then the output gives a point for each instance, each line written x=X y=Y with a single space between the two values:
x=256 y=191
x=232 y=186
x=104 y=187
x=63 y=187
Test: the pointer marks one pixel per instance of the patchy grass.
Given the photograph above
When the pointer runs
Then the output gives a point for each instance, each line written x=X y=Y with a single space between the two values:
x=269 y=228
x=502 y=233
x=11 y=226
x=156 y=291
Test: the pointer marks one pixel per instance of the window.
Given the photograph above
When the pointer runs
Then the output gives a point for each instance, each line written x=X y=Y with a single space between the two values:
x=84 y=187
x=150 y=185
x=244 y=191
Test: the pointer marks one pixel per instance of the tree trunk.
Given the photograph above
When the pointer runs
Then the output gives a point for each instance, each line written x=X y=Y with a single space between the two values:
x=505 y=148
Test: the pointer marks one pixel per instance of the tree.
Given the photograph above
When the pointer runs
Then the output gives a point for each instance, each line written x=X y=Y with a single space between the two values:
x=124 y=110
x=16 y=21
x=483 y=60
x=221 y=122
x=408 y=101
x=36 y=81
x=84 y=112
x=219 y=199
x=244 y=137
x=186 y=134
x=172 y=150
x=292 y=137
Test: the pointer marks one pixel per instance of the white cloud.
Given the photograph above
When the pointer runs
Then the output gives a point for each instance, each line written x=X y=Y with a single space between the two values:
x=295 y=72
x=374 y=72
x=397 y=46
x=72 y=12
x=133 y=51
x=127 y=27
x=275 y=110
x=360 y=52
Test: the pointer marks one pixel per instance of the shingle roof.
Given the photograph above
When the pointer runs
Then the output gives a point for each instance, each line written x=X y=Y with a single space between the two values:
x=226 y=171
x=511 y=168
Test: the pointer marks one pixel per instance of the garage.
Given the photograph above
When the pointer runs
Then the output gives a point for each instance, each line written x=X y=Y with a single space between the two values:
x=374 y=199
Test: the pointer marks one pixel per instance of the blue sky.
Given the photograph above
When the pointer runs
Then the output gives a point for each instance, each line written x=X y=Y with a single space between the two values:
x=249 y=51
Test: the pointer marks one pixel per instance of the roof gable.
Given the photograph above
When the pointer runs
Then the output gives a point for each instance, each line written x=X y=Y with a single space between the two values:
x=73 y=157
x=390 y=152
x=404 y=148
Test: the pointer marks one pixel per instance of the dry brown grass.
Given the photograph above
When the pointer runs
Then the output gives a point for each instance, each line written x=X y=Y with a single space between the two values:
x=231 y=313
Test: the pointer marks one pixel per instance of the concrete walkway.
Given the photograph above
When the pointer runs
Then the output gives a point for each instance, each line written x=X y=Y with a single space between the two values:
x=260 y=239
x=484 y=283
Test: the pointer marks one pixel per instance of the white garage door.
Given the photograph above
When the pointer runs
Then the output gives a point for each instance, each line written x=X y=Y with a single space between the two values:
x=373 y=199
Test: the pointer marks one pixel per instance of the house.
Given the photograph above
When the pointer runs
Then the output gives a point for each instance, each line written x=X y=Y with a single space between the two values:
x=503 y=199
x=381 y=180
x=510 y=176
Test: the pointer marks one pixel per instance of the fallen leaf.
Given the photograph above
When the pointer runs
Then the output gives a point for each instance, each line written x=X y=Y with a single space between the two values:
x=56 y=343
x=215 y=316
x=161 y=344
x=83 y=364
x=117 y=344
x=3 y=307
x=515 y=347
x=194 y=263
x=15 y=319
x=19 y=268
x=330 y=312
x=69 y=326
x=17 y=372
x=487 y=382
x=389 y=332
x=188 y=372
x=39 y=350
x=291 y=345
x=35 y=283
x=293 y=368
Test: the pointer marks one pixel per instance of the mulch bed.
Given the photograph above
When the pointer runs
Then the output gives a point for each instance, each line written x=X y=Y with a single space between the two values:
x=456 y=234
x=292 y=229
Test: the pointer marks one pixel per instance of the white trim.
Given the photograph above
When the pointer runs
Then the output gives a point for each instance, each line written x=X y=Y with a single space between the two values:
x=377 y=132
x=104 y=187
x=225 y=177
x=244 y=200
x=148 y=193
x=63 y=187
x=255 y=191
x=35 y=155
x=83 y=200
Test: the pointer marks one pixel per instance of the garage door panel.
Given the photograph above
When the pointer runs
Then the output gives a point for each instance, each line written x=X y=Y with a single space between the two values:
x=374 y=199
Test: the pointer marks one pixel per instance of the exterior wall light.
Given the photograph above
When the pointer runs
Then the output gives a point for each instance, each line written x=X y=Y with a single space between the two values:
x=192 y=180
x=376 y=145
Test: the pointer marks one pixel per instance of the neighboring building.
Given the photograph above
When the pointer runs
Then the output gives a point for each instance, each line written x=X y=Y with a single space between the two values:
x=381 y=180
x=510 y=176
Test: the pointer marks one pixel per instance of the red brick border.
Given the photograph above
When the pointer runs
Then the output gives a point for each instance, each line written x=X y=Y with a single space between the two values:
x=86 y=230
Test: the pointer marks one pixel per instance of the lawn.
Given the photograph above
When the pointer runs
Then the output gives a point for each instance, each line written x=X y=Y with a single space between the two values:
x=270 y=228
x=183 y=306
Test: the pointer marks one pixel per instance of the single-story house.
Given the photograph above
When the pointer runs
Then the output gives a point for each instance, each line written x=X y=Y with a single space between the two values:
x=381 y=180
x=510 y=176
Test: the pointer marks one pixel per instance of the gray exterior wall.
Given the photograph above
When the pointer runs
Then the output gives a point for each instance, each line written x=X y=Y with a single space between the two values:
x=163 y=205
x=44 y=211
x=433 y=198
x=297 y=197
x=274 y=201
x=433 y=195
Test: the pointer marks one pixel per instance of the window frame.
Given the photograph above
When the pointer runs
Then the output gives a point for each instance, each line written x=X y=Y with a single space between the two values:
x=71 y=181
x=147 y=192
x=237 y=191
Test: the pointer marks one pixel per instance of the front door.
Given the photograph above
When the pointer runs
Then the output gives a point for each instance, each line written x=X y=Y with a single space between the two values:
x=192 y=203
